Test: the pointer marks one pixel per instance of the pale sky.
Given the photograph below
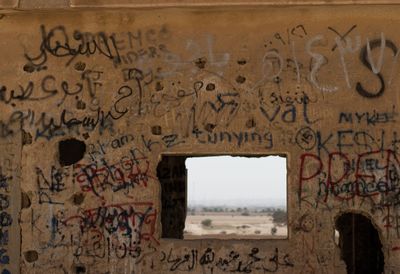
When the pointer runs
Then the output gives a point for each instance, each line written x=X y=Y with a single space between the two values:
x=237 y=181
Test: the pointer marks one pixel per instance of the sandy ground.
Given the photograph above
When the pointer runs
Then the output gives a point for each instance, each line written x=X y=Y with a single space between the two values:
x=225 y=225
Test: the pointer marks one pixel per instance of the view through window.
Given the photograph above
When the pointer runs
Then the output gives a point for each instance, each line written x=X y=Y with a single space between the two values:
x=236 y=197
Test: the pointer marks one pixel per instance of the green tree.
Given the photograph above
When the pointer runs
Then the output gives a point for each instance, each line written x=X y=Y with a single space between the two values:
x=206 y=222
x=279 y=217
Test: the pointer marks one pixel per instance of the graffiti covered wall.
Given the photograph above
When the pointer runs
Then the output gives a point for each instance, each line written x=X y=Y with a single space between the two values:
x=135 y=84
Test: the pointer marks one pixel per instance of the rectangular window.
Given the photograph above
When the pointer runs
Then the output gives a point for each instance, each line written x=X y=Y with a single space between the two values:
x=223 y=197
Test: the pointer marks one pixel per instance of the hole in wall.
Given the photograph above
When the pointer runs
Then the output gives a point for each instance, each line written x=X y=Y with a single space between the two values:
x=210 y=87
x=78 y=198
x=250 y=123
x=71 y=151
x=25 y=200
x=80 y=66
x=26 y=137
x=209 y=127
x=156 y=130
x=359 y=243
x=29 y=68
x=201 y=62
x=31 y=256
x=242 y=62
x=159 y=86
x=79 y=269
x=240 y=79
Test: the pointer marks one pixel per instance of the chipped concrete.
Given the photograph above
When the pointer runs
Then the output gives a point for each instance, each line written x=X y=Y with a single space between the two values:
x=315 y=83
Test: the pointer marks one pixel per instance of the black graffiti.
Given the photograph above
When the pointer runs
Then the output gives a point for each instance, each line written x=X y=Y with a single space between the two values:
x=48 y=127
x=5 y=219
x=238 y=138
x=4 y=238
x=342 y=37
x=25 y=93
x=48 y=186
x=4 y=181
x=373 y=117
x=288 y=112
x=167 y=141
x=57 y=42
x=306 y=138
x=220 y=110
x=4 y=201
x=233 y=262
x=348 y=139
x=366 y=62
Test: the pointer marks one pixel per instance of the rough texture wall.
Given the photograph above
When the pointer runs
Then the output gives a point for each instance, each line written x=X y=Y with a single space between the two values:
x=318 y=84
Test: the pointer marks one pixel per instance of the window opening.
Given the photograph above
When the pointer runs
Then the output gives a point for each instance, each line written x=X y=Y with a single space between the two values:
x=224 y=197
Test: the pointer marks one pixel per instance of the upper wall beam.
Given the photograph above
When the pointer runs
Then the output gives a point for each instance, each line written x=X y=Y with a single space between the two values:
x=67 y=4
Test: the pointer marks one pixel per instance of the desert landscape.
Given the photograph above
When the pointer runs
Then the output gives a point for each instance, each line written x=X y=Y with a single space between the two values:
x=228 y=223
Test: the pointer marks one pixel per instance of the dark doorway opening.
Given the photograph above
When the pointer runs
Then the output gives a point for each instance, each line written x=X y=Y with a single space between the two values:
x=360 y=246
x=171 y=172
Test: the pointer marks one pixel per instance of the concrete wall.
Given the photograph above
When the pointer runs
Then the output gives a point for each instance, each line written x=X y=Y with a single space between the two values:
x=319 y=84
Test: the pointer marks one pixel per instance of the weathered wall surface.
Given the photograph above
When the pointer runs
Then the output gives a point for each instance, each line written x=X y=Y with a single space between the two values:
x=319 y=84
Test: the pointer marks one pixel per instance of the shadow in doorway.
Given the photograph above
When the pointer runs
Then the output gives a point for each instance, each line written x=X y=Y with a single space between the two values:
x=360 y=246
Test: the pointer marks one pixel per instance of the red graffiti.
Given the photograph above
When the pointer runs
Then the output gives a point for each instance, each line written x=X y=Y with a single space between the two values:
x=345 y=176
x=132 y=220
x=122 y=176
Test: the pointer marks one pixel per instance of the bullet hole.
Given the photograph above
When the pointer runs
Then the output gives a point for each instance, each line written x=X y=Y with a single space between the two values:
x=210 y=87
x=277 y=79
x=80 y=66
x=25 y=200
x=209 y=127
x=2 y=16
x=26 y=138
x=159 y=86
x=240 y=79
x=201 y=62
x=156 y=130
x=29 y=68
x=78 y=198
x=250 y=123
x=71 y=151
x=80 y=105
x=359 y=243
x=31 y=256
x=242 y=62
x=80 y=269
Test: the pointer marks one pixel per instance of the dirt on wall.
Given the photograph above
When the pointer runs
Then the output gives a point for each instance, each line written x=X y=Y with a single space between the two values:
x=91 y=101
